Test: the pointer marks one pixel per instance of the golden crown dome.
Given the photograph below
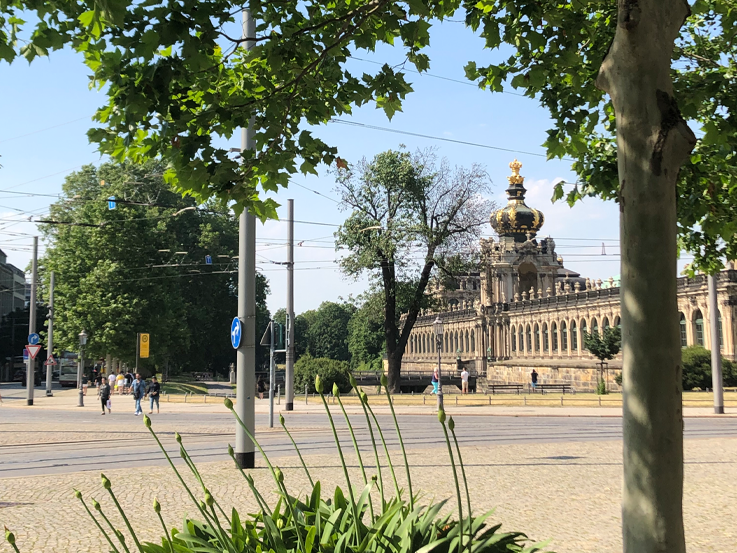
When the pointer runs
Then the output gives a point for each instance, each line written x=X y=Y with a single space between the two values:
x=516 y=219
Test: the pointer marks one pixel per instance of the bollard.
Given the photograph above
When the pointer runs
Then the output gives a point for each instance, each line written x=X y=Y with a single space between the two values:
x=205 y=397
x=305 y=394
x=561 y=401
x=524 y=400
x=489 y=399
x=599 y=401
x=456 y=400
x=278 y=394
x=185 y=397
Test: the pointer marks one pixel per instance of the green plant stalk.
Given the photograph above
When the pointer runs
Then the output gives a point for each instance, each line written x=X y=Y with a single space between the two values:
x=99 y=526
x=358 y=454
x=376 y=452
x=259 y=498
x=166 y=533
x=116 y=532
x=15 y=548
x=193 y=469
x=458 y=488
x=345 y=468
x=231 y=545
x=404 y=452
x=386 y=451
x=304 y=466
x=465 y=485
x=186 y=487
x=280 y=485
x=125 y=519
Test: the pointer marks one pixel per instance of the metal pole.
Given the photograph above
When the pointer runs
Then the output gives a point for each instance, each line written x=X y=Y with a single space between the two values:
x=272 y=375
x=440 y=376
x=31 y=365
x=246 y=353
x=80 y=373
x=50 y=344
x=716 y=354
x=289 y=373
x=138 y=349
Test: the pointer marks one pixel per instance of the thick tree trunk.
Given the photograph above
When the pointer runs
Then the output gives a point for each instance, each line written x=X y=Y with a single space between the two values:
x=653 y=141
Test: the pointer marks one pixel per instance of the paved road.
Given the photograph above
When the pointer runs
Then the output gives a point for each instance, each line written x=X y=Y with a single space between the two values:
x=63 y=441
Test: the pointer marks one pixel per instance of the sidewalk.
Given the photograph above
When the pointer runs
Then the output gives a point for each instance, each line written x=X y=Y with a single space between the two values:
x=14 y=398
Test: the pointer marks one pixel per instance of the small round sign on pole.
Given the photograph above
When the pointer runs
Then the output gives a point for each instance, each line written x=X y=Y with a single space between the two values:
x=34 y=339
x=236 y=332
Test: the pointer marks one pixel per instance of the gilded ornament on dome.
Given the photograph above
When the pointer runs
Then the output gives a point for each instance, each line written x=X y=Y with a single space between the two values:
x=515 y=177
x=535 y=217
x=512 y=215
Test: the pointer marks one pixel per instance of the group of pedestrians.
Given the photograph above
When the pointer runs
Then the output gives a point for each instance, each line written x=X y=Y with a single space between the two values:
x=138 y=388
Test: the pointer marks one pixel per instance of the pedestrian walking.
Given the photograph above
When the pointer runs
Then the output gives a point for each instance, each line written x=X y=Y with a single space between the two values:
x=138 y=389
x=261 y=387
x=435 y=381
x=153 y=395
x=120 y=382
x=104 y=392
x=464 y=381
x=129 y=378
x=111 y=381
x=533 y=377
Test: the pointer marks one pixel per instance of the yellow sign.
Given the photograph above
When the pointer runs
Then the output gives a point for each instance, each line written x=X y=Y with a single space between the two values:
x=144 y=346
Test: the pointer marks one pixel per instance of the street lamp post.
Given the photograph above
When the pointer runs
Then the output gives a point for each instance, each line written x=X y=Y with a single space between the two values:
x=80 y=369
x=437 y=326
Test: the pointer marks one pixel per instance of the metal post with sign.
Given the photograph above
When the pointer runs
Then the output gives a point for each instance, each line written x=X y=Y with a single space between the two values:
x=273 y=337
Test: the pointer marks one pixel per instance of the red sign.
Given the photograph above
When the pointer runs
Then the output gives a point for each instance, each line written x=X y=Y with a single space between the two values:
x=50 y=361
x=33 y=350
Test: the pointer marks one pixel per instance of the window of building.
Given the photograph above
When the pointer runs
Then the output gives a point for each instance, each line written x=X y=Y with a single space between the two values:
x=554 y=332
x=445 y=341
x=617 y=322
x=467 y=344
x=594 y=326
x=529 y=338
x=521 y=340
x=563 y=336
x=432 y=343
x=514 y=339
x=605 y=324
x=537 y=338
x=682 y=327
x=546 y=344
x=574 y=335
x=473 y=341
x=698 y=320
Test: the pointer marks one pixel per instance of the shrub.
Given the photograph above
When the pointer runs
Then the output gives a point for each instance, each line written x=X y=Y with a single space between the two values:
x=330 y=371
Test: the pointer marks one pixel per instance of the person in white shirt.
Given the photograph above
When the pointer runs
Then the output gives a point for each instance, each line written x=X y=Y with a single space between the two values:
x=464 y=381
x=111 y=381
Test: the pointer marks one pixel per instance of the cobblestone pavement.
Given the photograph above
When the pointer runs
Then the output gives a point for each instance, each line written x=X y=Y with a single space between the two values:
x=566 y=491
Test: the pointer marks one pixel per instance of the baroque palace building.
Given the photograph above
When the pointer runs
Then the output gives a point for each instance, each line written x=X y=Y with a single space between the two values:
x=523 y=309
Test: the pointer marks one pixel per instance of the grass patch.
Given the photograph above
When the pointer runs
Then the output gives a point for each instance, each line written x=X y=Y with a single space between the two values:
x=184 y=387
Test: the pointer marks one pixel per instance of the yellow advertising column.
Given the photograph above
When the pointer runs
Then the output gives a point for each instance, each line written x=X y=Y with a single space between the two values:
x=144 y=347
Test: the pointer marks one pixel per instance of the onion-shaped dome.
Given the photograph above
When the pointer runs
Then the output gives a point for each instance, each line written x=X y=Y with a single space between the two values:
x=516 y=220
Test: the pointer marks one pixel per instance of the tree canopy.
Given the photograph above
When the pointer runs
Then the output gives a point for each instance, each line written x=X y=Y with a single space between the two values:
x=141 y=267
x=604 y=346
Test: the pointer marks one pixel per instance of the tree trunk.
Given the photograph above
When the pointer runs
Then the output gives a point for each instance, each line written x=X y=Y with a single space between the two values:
x=652 y=141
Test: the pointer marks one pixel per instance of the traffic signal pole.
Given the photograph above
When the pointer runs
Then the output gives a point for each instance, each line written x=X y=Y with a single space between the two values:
x=246 y=352
x=272 y=375
x=50 y=345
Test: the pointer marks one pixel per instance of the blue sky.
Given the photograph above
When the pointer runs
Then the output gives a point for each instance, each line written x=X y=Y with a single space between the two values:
x=45 y=111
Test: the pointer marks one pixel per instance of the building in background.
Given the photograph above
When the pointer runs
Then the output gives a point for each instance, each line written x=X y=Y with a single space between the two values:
x=523 y=309
x=12 y=287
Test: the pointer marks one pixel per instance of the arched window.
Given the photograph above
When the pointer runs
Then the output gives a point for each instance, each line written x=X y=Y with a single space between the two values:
x=605 y=324
x=563 y=336
x=473 y=339
x=514 y=339
x=574 y=336
x=698 y=321
x=554 y=332
x=456 y=348
x=537 y=338
x=682 y=327
x=617 y=322
x=594 y=326
x=521 y=339
x=529 y=338
x=546 y=344
x=583 y=328
x=445 y=341
x=432 y=343
x=467 y=344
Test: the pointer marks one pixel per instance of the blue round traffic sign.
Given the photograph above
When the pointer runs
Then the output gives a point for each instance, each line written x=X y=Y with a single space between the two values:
x=34 y=339
x=236 y=332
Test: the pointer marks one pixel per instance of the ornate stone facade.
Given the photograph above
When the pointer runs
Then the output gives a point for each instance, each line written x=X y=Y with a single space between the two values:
x=524 y=309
